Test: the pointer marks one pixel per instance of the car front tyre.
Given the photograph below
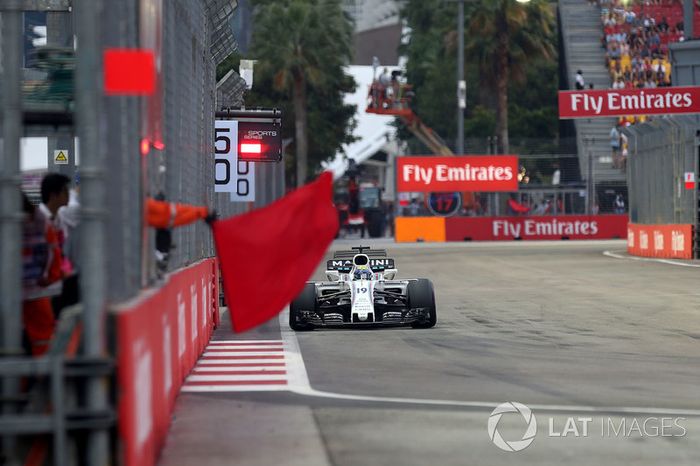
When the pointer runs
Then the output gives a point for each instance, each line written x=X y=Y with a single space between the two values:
x=305 y=301
x=422 y=295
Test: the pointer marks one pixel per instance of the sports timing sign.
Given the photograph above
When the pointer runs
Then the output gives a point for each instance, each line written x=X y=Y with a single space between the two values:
x=457 y=173
x=607 y=103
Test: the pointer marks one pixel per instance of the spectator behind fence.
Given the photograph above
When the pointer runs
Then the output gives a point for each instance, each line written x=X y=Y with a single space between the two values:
x=636 y=39
x=41 y=277
x=624 y=151
x=615 y=145
x=580 y=82
x=619 y=204
x=61 y=209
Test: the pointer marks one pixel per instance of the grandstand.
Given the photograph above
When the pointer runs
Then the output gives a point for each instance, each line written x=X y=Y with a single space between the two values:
x=604 y=41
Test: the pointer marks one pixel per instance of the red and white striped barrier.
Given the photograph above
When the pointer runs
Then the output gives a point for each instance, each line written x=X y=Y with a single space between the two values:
x=239 y=365
x=159 y=338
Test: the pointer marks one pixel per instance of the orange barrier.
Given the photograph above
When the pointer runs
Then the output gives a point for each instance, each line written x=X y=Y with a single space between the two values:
x=411 y=229
x=159 y=338
x=667 y=241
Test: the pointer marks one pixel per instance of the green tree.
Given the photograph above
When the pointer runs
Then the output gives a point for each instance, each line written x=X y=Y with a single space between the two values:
x=301 y=47
x=430 y=68
x=503 y=38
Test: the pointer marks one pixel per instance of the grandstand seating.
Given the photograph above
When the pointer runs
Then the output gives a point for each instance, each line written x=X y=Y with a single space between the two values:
x=636 y=37
x=581 y=29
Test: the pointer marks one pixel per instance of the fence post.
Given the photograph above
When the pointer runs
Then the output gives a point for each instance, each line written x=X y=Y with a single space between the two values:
x=92 y=265
x=59 y=33
x=10 y=205
x=590 y=183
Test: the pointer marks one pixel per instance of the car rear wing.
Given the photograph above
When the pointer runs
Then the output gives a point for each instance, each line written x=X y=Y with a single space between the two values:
x=345 y=265
x=371 y=253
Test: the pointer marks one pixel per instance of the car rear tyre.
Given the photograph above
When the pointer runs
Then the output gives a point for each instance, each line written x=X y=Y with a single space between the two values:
x=305 y=301
x=421 y=295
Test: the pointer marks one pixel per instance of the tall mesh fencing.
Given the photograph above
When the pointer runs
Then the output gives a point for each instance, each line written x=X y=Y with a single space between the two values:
x=548 y=184
x=188 y=122
x=182 y=169
x=661 y=152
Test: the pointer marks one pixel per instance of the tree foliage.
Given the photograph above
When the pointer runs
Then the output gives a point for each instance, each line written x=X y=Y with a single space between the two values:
x=302 y=47
x=520 y=101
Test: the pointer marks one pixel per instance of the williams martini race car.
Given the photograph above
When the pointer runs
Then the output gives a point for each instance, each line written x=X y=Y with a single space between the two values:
x=362 y=290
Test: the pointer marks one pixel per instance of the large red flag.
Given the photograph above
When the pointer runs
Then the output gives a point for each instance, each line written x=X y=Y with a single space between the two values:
x=268 y=254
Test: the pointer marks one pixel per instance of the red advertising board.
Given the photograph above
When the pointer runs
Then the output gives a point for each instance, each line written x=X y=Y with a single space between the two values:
x=535 y=228
x=621 y=102
x=160 y=337
x=467 y=173
x=667 y=241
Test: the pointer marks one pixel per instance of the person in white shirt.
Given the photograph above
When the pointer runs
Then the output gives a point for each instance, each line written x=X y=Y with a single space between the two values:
x=60 y=207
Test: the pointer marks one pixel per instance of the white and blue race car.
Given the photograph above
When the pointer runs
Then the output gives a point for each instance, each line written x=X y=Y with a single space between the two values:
x=362 y=290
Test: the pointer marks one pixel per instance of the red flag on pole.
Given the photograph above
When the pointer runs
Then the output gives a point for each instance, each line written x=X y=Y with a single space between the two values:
x=267 y=255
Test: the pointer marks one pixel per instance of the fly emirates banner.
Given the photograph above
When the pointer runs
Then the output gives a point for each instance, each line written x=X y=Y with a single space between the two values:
x=622 y=102
x=457 y=173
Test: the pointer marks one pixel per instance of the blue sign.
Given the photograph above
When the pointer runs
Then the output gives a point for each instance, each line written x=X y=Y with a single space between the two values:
x=444 y=204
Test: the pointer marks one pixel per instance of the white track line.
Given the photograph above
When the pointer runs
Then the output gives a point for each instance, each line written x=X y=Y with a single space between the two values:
x=233 y=370
x=235 y=378
x=246 y=342
x=242 y=353
x=234 y=388
x=649 y=259
x=299 y=383
x=233 y=362
x=269 y=349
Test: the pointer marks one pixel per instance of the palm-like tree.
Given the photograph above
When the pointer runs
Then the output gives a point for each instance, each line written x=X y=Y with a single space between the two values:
x=502 y=36
x=297 y=42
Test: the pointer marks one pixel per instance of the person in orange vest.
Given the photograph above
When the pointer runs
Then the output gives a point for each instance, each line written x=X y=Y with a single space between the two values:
x=41 y=277
x=163 y=216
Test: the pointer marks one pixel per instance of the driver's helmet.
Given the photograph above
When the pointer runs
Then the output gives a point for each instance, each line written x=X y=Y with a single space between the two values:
x=362 y=273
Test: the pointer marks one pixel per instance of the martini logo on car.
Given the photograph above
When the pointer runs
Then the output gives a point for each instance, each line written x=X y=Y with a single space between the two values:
x=346 y=264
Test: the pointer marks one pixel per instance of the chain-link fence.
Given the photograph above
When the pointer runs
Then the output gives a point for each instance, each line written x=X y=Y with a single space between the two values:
x=489 y=144
x=661 y=152
x=183 y=171
x=177 y=127
x=548 y=184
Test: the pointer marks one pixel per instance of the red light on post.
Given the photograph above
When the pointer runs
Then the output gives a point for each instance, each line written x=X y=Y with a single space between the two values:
x=250 y=148
x=145 y=146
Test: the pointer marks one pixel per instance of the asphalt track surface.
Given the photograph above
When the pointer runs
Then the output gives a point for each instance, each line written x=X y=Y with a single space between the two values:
x=559 y=327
